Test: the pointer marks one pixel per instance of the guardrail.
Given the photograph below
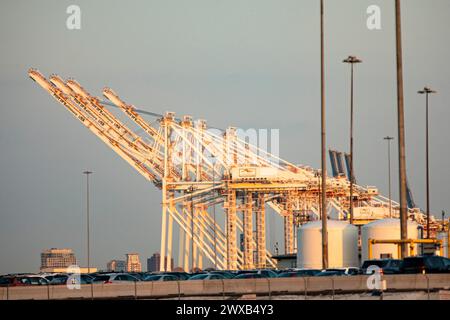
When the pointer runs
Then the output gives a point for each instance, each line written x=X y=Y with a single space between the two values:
x=230 y=287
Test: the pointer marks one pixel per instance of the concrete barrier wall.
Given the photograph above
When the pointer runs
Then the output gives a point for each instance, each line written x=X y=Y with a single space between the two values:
x=62 y=292
x=307 y=285
x=168 y=288
x=440 y=281
x=407 y=281
x=341 y=284
x=28 y=293
x=112 y=290
x=3 y=293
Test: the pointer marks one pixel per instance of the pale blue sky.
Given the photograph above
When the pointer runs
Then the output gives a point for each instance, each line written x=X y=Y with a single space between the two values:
x=250 y=64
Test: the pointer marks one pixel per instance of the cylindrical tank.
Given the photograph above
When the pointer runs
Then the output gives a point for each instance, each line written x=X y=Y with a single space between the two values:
x=342 y=245
x=386 y=229
x=444 y=237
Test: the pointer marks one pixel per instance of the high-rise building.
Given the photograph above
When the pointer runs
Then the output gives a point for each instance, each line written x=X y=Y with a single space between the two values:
x=57 y=258
x=153 y=263
x=116 y=266
x=133 y=263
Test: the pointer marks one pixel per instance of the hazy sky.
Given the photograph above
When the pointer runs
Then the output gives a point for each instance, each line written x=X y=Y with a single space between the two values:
x=249 y=64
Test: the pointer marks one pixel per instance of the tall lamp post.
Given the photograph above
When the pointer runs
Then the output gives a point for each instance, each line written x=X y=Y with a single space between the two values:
x=351 y=60
x=401 y=131
x=389 y=139
x=427 y=91
x=87 y=173
x=443 y=223
x=323 y=145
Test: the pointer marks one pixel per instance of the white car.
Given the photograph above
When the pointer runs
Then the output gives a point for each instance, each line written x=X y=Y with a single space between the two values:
x=114 y=278
x=207 y=276
x=160 y=277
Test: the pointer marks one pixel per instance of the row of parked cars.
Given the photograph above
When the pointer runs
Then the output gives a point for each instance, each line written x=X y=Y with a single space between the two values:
x=421 y=264
x=417 y=264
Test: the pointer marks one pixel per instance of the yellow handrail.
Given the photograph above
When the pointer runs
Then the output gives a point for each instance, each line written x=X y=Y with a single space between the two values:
x=399 y=242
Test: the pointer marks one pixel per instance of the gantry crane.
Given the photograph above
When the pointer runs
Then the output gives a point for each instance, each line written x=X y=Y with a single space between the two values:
x=199 y=169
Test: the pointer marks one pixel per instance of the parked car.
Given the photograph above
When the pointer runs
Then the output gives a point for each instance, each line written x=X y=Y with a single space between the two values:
x=291 y=274
x=425 y=264
x=265 y=273
x=207 y=276
x=179 y=274
x=115 y=277
x=32 y=280
x=388 y=266
x=349 y=271
x=138 y=275
x=280 y=271
x=4 y=281
x=161 y=277
x=308 y=272
x=447 y=263
x=62 y=279
x=225 y=274
x=329 y=273
x=191 y=274
x=10 y=281
x=299 y=273
x=249 y=276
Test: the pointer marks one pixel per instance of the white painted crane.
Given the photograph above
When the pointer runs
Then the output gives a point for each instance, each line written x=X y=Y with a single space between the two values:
x=197 y=168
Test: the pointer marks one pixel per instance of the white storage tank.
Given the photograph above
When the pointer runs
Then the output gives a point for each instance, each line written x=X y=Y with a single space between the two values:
x=444 y=237
x=342 y=245
x=386 y=229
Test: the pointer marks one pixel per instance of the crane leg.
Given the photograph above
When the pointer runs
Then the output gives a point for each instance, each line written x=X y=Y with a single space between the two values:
x=181 y=248
x=168 y=264
x=288 y=234
x=248 y=233
x=194 y=245
x=261 y=232
x=231 y=231
x=163 y=237
x=187 y=240
x=200 y=235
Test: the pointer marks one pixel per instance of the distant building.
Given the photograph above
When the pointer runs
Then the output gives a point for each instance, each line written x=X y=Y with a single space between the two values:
x=133 y=263
x=116 y=266
x=69 y=270
x=153 y=263
x=57 y=258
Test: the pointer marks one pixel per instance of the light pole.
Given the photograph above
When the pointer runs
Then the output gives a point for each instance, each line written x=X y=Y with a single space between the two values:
x=401 y=131
x=443 y=222
x=351 y=60
x=427 y=91
x=389 y=139
x=87 y=173
x=323 y=145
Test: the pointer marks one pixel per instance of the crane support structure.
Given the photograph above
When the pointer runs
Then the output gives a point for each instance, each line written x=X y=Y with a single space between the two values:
x=198 y=169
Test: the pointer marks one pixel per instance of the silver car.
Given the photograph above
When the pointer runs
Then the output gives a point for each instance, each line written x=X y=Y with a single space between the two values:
x=114 y=278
